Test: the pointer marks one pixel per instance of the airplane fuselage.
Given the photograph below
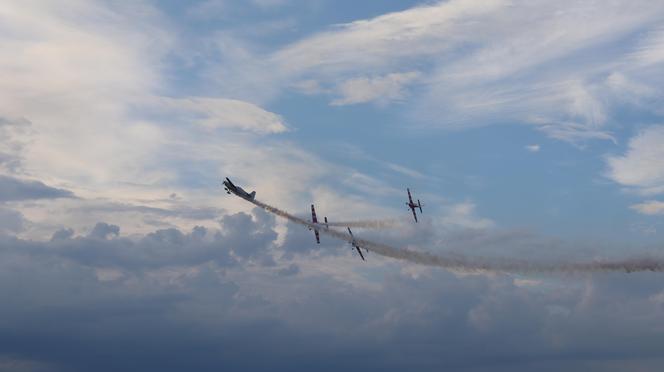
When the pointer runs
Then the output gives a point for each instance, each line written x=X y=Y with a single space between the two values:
x=237 y=190
x=315 y=225
x=412 y=205
x=353 y=242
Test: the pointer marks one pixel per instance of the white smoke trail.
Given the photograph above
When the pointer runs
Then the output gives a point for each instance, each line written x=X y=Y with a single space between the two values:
x=368 y=224
x=462 y=263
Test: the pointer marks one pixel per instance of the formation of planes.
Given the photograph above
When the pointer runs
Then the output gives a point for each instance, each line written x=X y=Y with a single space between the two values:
x=314 y=224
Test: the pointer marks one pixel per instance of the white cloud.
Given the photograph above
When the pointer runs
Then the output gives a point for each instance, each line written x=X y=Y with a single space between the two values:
x=539 y=63
x=533 y=148
x=621 y=84
x=74 y=80
x=463 y=215
x=408 y=172
x=382 y=40
x=224 y=113
x=309 y=87
x=650 y=207
x=84 y=80
x=380 y=89
x=92 y=133
x=651 y=49
x=642 y=166
x=572 y=132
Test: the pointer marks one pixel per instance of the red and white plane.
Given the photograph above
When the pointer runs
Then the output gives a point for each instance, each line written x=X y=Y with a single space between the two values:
x=412 y=205
x=314 y=221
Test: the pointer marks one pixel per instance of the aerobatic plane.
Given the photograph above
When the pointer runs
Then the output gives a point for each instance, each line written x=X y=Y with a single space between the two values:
x=237 y=190
x=412 y=205
x=314 y=221
x=353 y=242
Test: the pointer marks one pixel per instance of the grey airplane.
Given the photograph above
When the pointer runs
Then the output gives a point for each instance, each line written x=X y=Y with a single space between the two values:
x=237 y=190
x=412 y=205
x=353 y=242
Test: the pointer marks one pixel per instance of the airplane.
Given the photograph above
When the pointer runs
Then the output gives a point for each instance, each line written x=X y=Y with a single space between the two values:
x=412 y=205
x=353 y=242
x=314 y=221
x=237 y=190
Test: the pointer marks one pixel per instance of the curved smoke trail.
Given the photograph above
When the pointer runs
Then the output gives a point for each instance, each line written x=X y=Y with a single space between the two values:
x=459 y=262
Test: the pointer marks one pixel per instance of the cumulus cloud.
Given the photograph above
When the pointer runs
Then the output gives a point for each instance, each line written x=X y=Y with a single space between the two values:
x=102 y=230
x=248 y=238
x=11 y=221
x=94 y=301
x=62 y=234
x=641 y=168
x=15 y=189
x=114 y=136
x=187 y=288
x=55 y=84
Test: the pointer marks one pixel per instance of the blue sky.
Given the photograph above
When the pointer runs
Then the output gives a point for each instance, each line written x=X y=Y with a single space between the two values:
x=529 y=129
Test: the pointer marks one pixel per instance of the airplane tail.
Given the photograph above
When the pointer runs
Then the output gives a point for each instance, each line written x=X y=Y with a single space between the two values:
x=252 y=195
x=326 y=226
x=419 y=205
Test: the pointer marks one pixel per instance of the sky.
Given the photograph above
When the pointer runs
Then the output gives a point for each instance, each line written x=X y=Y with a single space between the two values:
x=530 y=130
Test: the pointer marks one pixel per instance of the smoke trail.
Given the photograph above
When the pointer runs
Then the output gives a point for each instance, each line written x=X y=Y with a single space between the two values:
x=462 y=263
x=368 y=224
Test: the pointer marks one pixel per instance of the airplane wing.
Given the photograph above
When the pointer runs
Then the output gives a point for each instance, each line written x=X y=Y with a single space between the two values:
x=355 y=245
x=314 y=220
x=360 y=252
x=414 y=214
x=313 y=214
x=410 y=198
